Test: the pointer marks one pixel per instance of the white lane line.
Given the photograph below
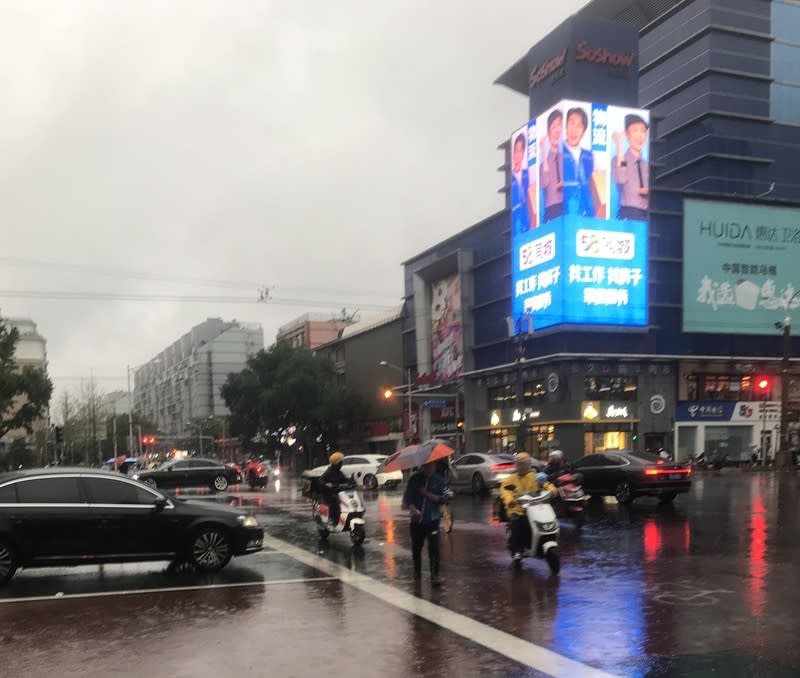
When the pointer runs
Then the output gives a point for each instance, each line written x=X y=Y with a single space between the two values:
x=165 y=589
x=521 y=651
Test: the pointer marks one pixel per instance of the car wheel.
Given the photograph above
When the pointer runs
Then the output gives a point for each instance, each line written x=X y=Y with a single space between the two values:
x=370 y=482
x=624 y=492
x=150 y=483
x=211 y=549
x=667 y=498
x=477 y=483
x=220 y=484
x=8 y=562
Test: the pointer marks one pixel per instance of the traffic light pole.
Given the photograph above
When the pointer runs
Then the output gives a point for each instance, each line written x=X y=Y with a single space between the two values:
x=782 y=456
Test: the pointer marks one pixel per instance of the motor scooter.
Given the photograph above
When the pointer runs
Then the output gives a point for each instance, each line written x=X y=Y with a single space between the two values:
x=544 y=528
x=257 y=475
x=571 y=497
x=351 y=514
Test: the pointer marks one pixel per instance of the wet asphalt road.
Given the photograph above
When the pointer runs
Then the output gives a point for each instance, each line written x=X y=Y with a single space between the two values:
x=708 y=587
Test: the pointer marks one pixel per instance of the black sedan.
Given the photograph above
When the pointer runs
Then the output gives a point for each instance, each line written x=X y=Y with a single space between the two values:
x=192 y=472
x=79 y=516
x=627 y=475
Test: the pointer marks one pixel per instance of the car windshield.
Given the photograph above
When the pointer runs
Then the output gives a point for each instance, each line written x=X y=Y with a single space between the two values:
x=164 y=465
x=504 y=458
x=644 y=457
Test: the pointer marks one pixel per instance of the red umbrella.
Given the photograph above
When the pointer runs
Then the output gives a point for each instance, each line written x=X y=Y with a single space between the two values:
x=416 y=455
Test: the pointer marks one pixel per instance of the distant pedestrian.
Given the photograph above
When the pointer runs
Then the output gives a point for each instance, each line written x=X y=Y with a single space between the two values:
x=424 y=493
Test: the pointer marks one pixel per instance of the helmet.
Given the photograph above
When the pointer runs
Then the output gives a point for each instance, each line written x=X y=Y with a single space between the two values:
x=541 y=478
x=555 y=455
x=336 y=457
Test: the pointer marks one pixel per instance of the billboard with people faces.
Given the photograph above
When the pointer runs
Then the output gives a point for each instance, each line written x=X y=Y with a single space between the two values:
x=580 y=187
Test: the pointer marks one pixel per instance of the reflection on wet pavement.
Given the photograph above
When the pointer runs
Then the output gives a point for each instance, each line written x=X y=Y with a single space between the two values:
x=705 y=586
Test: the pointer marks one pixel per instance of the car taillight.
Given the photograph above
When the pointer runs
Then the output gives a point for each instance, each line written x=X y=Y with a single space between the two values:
x=667 y=471
x=501 y=467
x=259 y=469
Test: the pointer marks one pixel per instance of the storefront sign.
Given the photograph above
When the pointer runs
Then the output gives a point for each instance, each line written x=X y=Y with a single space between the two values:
x=594 y=409
x=742 y=411
x=545 y=70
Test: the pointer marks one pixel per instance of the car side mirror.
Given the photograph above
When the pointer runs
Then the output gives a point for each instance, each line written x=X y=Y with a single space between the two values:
x=510 y=487
x=160 y=504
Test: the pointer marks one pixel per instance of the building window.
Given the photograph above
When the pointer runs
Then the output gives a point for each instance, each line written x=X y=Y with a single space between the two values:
x=719 y=387
x=533 y=392
x=610 y=388
x=502 y=396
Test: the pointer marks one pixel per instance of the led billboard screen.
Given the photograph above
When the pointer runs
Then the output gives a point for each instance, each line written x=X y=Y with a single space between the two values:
x=579 y=202
x=740 y=271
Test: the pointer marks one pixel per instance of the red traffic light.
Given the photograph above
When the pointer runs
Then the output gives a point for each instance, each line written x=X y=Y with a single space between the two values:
x=762 y=383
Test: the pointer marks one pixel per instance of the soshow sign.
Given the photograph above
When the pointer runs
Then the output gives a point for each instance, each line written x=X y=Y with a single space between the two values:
x=740 y=266
x=579 y=211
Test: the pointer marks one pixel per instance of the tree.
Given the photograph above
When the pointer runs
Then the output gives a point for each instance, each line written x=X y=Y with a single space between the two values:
x=285 y=387
x=24 y=393
x=20 y=455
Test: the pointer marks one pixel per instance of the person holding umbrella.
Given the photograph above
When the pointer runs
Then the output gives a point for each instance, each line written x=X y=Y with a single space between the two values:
x=425 y=492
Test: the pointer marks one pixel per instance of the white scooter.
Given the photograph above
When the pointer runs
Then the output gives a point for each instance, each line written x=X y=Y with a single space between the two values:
x=544 y=528
x=351 y=515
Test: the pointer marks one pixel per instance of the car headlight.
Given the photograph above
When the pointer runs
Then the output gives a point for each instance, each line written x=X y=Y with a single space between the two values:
x=247 y=521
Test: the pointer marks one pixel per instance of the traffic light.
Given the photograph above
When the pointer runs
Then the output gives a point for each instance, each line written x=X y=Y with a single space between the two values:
x=148 y=440
x=635 y=437
x=763 y=384
x=388 y=394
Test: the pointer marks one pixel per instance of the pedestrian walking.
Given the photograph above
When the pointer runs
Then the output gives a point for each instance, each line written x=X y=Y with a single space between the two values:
x=425 y=492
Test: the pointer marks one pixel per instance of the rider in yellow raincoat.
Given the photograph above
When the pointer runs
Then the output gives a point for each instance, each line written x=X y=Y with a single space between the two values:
x=524 y=481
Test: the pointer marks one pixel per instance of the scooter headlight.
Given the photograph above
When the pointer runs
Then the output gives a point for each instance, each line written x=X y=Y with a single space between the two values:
x=354 y=504
x=547 y=527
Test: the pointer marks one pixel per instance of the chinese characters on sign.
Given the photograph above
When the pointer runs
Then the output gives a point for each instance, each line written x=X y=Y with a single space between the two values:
x=739 y=267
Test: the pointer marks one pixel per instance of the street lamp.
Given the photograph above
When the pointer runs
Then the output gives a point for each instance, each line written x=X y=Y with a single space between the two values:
x=386 y=363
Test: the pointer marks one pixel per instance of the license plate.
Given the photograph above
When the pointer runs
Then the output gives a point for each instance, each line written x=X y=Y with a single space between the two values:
x=675 y=476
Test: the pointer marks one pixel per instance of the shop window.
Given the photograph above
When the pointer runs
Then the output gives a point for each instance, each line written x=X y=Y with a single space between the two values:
x=498 y=440
x=610 y=388
x=502 y=396
x=719 y=387
x=542 y=434
x=533 y=392
x=605 y=441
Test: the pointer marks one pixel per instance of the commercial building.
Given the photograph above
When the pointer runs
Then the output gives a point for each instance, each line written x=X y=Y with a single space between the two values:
x=593 y=317
x=183 y=382
x=313 y=329
x=31 y=350
x=356 y=356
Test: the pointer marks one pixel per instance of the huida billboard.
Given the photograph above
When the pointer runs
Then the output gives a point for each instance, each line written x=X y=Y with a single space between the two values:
x=740 y=266
x=579 y=207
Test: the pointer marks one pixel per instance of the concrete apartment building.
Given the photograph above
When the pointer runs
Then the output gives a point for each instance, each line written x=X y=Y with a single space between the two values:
x=183 y=382
x=312 y=329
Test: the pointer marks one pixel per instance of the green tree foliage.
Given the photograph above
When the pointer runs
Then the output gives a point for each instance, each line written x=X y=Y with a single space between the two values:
x=24 y=393
x=284 y=387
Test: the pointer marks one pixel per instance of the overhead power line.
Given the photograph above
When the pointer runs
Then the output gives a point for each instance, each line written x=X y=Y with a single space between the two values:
x=268 y=300
x=151 y=276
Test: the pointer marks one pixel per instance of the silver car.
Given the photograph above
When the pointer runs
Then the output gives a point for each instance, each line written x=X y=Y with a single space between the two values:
x=481 y=472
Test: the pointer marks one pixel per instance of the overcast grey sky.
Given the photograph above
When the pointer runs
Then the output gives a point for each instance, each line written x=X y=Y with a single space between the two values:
x=306 y=145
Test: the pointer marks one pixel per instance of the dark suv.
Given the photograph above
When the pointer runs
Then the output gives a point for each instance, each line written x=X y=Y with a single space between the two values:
x=79 y=516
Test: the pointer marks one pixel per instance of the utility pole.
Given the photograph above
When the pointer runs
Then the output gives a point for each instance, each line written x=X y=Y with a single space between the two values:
x=782 y=456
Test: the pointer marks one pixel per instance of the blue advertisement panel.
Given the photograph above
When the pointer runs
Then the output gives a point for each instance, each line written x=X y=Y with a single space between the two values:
x=582 y=271
x=579 y=217
x=740 y=267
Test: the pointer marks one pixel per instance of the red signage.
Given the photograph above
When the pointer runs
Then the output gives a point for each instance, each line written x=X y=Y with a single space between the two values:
x=548 y=68
x=603 y=55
